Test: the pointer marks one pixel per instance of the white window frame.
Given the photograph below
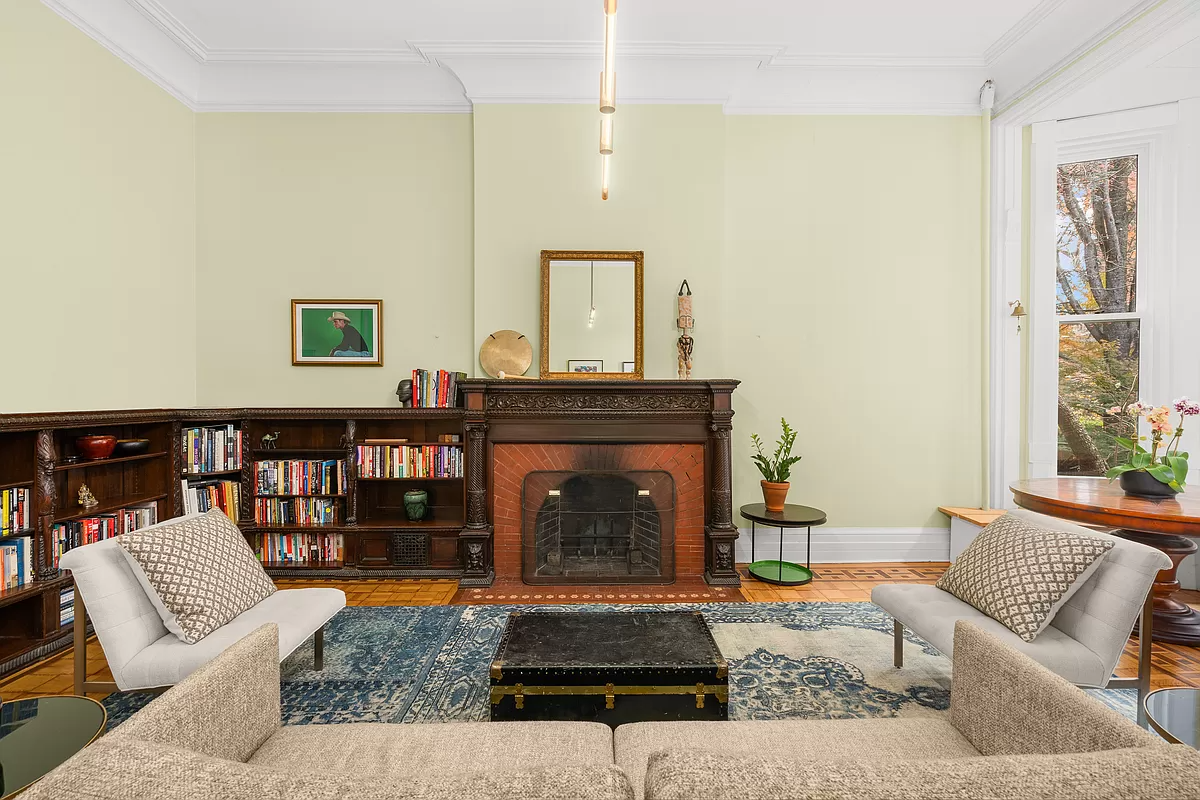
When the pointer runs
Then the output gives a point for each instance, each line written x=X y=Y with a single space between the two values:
x=1147 y=133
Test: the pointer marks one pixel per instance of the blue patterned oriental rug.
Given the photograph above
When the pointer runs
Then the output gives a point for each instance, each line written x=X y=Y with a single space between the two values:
x=786 y=661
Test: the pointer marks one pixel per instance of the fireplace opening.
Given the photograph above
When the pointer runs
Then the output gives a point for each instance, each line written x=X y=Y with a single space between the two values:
x=590 y=527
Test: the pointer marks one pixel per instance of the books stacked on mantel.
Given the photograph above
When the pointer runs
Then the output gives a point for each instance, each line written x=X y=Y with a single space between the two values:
x=437 y=389
x=201 y=497
x=15 y=511
x=392 y=458
x=300 y=478
x=212 y=449
x=295 y=511
x=16 y=562
x=65 y=536
x=66 y=606
x=302 y=548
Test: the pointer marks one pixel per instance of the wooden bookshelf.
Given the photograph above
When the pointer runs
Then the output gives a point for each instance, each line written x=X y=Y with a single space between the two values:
x=379 y=540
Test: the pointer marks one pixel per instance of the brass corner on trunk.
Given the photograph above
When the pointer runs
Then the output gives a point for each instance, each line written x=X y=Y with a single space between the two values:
x=496 y=670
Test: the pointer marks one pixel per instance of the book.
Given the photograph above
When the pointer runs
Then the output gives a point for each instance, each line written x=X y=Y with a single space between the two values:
x=66 y=606
x=215 y=448
x=16 y=562
x=300 y=478
x=65 y=536
x=437 y=389
x=295 y=511
x=302 y=548
x=201 y=497
x=15 y=511
x=414 y=461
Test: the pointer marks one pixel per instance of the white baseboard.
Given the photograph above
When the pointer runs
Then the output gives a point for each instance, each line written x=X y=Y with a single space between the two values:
x=849 y=545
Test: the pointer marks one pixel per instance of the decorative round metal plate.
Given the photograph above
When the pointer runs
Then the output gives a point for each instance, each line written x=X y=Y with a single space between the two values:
x=506 y=351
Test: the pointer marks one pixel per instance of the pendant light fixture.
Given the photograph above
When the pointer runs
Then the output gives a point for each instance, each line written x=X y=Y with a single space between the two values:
x=592 y=312
x=608 y=96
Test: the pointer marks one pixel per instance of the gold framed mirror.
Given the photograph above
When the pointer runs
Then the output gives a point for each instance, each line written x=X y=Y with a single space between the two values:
x=592 y=314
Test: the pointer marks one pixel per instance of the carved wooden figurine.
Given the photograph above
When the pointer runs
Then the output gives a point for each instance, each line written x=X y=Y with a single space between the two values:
x=685 y=322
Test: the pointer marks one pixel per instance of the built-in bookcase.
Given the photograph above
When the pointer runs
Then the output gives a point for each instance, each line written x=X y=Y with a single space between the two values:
x=369 y=534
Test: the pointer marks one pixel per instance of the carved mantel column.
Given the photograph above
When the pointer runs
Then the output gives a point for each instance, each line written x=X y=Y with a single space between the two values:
x=475 y=539
x=45 y=501
x=721 y=532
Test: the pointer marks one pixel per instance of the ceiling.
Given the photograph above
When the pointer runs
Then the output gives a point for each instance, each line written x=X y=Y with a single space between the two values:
x=751 y=56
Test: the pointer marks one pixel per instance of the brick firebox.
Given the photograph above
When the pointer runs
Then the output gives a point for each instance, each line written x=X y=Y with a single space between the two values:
x=512 y=462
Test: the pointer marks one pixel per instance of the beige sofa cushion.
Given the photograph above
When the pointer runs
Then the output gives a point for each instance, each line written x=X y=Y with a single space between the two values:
x=807 y=740
x=437 y=749
x=124 y=769
x=1143 y=773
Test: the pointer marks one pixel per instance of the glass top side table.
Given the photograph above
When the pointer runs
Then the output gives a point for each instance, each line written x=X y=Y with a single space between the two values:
x=1174 y=714
x=38 y=734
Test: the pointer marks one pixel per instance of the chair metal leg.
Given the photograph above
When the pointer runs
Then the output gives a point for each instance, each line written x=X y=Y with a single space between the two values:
x=80 y=637
x=319 y=649
x=898 y=643
x=1145 y=646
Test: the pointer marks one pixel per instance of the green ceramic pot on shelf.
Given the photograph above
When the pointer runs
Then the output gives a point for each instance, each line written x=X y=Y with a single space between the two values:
x=416 y=504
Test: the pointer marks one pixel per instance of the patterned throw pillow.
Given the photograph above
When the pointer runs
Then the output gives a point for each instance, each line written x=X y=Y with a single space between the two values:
x=200 y=571
x=1020 y=574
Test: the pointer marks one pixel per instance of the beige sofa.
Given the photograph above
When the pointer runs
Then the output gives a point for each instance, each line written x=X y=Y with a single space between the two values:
x=1015 y=730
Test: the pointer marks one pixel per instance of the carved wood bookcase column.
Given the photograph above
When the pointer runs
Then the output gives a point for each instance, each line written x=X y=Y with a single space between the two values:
x=246 y=495
x=475 y=539
x=176 y=470
x=350 y=440
x=45 y=501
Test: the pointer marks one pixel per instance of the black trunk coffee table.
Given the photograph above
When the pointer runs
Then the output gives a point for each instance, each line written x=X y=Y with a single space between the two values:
x=608 y=667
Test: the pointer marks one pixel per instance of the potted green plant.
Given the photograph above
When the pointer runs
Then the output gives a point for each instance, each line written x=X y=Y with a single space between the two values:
x=1147 y=473
x=776 y=468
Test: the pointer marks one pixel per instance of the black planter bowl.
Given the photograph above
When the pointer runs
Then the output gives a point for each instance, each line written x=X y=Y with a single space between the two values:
x=1146 y=486
x=130 y=447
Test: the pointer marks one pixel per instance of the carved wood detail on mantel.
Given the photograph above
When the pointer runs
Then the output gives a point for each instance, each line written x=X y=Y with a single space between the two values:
x=586 y=411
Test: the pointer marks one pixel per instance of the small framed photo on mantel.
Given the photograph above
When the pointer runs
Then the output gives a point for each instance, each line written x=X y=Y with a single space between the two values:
x=584 y=365
x=337 y=333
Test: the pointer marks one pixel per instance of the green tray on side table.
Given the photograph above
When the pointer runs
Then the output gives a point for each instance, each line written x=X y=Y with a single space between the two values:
x=784 y=573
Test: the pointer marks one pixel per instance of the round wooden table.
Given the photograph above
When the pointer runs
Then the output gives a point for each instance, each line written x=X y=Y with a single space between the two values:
x=1165 y=525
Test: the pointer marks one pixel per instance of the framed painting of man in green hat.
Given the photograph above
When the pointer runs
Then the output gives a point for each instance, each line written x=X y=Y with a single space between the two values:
x=337 y=333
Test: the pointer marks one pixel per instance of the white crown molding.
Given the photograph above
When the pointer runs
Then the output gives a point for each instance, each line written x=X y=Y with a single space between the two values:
x=858 y=109
x=462 y=107
x=331 y=56
x=99 y=36
x=576 y=49
x=1020 y=30
x=1106 y=49
x=557 y=99
x=172 y=27
x=875 y=61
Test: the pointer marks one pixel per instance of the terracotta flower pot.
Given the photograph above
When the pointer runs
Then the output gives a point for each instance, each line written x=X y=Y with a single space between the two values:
x=775 y=494
x=94 y=448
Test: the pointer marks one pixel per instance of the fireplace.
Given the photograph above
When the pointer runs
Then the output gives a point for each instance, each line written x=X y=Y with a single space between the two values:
x=593 y=482
x=598 y=527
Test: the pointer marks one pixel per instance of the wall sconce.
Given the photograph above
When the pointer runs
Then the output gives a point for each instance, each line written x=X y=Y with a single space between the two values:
x=1018 y=311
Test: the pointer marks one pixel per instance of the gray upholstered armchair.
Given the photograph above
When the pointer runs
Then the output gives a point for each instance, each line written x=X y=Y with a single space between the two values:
x=1086 y=637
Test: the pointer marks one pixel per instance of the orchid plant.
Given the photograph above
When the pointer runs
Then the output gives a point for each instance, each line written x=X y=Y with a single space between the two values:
x=777 y=467
x=1171 y=467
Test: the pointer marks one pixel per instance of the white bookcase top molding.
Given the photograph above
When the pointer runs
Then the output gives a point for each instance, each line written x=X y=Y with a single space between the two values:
x=880 y=57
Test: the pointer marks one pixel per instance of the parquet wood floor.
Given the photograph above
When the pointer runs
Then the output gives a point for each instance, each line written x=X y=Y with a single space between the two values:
x=1174 y=665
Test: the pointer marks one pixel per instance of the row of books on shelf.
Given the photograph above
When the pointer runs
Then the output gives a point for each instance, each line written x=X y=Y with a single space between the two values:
x=295 y=511
x=201 y=497
x=386 y=460
x=16 y=561
x=16 y=514
x=66 y=536
x=211 y=449
x=300 y=477
x=301 y=548
x=437 y=389
x=66 y=606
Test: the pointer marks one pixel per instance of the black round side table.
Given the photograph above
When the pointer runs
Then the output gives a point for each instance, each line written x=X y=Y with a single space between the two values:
x=38 y=734
x=783 y=573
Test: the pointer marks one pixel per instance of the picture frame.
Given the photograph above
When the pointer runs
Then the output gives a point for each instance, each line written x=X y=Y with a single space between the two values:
x=337 y=333
x=628 y=366
x=585 y=365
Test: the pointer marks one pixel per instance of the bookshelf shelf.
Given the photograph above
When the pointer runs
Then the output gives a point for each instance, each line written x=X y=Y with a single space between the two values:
x=408 y=480
x=400 y=523
x=297 y=454
x=17 y=485
x=16 y=534
x=104 y=462
x=305 y=565
x=109 y=506
x=214 y=474
x=299 y=496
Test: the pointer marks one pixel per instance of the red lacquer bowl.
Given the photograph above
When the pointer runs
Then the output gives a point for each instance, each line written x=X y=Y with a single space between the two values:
x=93 y=448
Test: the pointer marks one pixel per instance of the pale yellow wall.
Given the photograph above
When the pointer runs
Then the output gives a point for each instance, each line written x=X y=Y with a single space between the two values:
x=537 y=187
x=97 y=250
x=338 y=206
x=852 y=309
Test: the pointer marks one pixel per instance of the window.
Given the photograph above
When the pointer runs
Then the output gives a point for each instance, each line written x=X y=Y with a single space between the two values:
x=1099 y=322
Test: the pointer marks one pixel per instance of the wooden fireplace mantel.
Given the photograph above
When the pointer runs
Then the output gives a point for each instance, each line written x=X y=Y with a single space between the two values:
x=592 y=412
